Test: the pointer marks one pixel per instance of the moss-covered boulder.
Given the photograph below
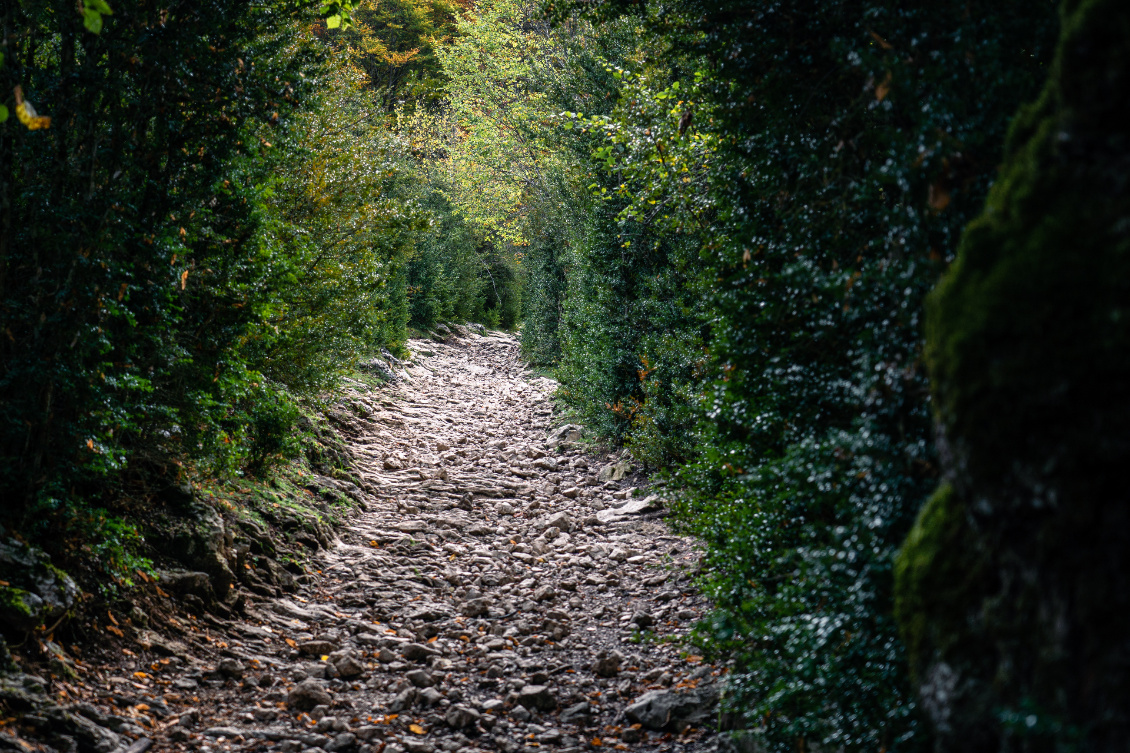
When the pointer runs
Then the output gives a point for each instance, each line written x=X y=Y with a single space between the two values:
x=1014 y=586
x=200 y=540
x=32 y=590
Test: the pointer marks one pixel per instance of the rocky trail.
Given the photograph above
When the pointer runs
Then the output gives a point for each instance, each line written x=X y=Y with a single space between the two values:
x=503 y=591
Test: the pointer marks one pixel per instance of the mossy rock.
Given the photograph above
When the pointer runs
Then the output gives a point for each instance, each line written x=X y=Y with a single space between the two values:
x=37 y=591
x=1013 y=587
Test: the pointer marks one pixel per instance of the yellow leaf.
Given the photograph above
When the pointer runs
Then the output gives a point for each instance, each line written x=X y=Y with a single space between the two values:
x=28 y=116
x=417 y=729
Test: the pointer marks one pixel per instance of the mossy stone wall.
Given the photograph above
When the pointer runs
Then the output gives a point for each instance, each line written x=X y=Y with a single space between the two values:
x=1014 y=586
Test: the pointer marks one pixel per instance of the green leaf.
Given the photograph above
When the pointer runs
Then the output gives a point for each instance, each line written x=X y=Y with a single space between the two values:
x=92 y=12
x=3 y=113
x=92 y=20
x=333 y=22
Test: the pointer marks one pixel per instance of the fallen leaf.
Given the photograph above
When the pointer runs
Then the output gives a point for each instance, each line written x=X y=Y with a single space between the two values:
x=882 y=42
x=884 y=88
x=292 y=643
x=417 y=729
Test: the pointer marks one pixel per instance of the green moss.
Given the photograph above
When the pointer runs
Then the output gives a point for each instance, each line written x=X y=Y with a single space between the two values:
x=13 y=601
x=935 y=571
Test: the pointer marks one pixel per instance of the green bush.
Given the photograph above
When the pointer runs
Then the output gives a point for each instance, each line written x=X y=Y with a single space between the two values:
x=807 y=183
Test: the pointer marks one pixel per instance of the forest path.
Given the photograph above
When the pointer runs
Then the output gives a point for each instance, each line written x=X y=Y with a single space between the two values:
x=486 y=600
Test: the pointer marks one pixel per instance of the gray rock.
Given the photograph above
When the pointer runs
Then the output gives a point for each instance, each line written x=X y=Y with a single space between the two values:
x=537 y=697
x=416 y=651
x=607 y=664
x=562 y=434
x=317 y=648
x=342 y=741
x=347 y=663
x=417 y=746
x=89 y=735
x=460 y=716
x=475 y=607
x=632 y=507
x=369 y=732
x=562 y=521
x=492 y=705
x=403 y=700
x=430 y=613
x=615 y=471
x=223 y=732
x=671 y=709
x=576 y=712
x=230 y=668
x=429 y=697
x=420 y=678
x=202 y=545
x=308 y=694
x=642 y=619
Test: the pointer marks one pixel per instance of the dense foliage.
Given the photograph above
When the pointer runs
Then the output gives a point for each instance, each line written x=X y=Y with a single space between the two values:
x=206 y=231
x=756 y=209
